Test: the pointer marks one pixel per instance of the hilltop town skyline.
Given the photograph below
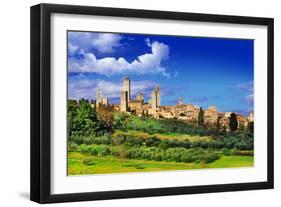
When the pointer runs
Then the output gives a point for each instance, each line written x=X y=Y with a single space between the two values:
x=204 y=71
x=187 y=112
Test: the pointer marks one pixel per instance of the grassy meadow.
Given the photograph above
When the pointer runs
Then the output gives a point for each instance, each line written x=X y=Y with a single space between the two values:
x=103 y=165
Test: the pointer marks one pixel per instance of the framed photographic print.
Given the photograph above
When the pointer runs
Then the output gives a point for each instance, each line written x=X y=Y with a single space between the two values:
x=133 y=103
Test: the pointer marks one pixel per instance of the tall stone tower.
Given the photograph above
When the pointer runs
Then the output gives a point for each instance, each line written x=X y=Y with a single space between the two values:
x=180 y=100
x=155 y=98
x=124 y=101
x=98 y=97
x=127 y=87
x=158 y=95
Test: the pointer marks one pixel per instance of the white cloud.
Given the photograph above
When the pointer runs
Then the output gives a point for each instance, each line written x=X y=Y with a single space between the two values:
x=86 y=88
x=106 y=42
x=148 y=63
x=72 y=48
x=102 y=42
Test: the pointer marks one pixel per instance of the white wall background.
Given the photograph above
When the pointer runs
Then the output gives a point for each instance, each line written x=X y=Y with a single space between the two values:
x=14 y=102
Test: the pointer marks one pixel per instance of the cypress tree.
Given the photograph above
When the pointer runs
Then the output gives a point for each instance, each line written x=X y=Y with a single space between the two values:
x=233 y=123
x=201 y=117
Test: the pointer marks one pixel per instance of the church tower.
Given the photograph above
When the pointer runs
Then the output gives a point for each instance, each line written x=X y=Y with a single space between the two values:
x=127 y=87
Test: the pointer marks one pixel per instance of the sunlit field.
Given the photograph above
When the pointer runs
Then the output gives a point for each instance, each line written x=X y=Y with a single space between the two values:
x=102 y=165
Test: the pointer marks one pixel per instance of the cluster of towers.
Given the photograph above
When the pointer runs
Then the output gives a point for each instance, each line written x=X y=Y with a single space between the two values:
x=181 y=111
x=127 y=103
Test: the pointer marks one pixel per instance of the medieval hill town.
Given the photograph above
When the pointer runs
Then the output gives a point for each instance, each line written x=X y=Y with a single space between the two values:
x=130 y=108
x=181 y=111
x=135 y=136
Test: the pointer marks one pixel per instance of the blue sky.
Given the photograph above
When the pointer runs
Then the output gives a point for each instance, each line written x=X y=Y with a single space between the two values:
x=205 y=71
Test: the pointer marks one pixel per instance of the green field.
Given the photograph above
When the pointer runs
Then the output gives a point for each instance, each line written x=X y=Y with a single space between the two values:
x=102 y=165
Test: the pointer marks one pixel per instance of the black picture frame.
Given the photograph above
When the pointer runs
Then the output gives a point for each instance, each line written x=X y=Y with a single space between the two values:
x=41 y=97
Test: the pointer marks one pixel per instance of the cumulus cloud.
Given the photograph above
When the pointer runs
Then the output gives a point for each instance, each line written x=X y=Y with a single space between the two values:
x=86 y=88
x=148 y=63
x=102 y=42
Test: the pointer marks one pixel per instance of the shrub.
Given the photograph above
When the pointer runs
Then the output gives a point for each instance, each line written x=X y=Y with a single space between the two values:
x=72 y=147
x=93 y=151
x=210 y=157
x=104 y=151
x=152 y=142
x=88 y=161
x=243 y=153
x=84 y=149
x=158 y=156
x=187 y=157
x=226 y=152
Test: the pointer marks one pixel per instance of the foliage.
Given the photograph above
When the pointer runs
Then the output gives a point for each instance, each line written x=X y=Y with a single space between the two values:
x=243 y=153
x=201 y=117
x=101 y=132
x=88 y=161
x=226 y=152
x=72 y=147
x=251 y=127
x=233 y=123
x=84 y=119
x=105 y=116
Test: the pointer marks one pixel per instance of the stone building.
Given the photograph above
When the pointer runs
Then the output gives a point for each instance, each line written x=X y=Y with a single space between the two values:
x=127 y=87
x=180 y=101
x=251 y=117
x=223 y=120
x=155 y=99
x=181 y=111
x=135 y=106
x=124 y=101
x=211 y=115
x=140 y=97
x=98 y=97
x=192 y=112
x=242 y=121
x=104 y=101
x=100 y=100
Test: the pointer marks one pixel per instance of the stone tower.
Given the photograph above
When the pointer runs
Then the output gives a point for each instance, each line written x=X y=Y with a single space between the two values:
x=127 y=87
x=140 y=97
x=98 y=97
x=124 y=101
x=155 y=98
x=158 y=95
x=180 y=100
